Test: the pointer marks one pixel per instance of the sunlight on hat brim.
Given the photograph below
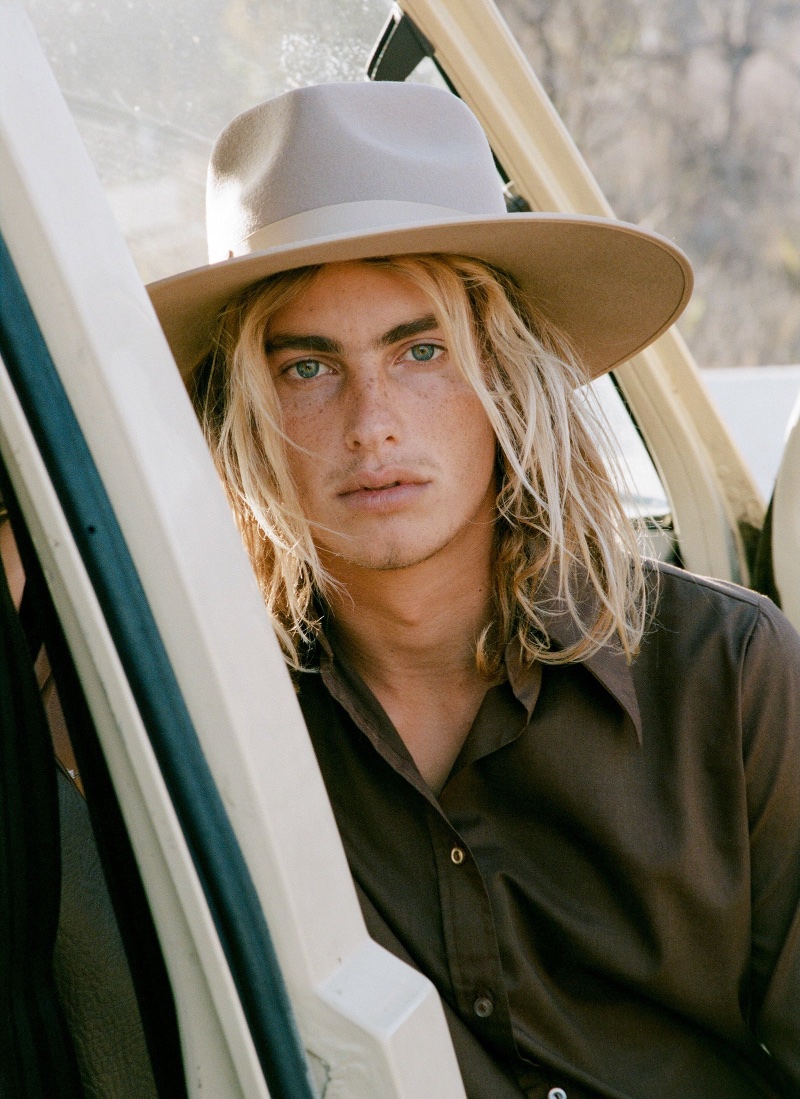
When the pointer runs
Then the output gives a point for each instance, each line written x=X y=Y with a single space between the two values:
x=611 y=288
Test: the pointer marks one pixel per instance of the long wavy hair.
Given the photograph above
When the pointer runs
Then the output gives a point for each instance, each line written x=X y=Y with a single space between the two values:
x=563 y=544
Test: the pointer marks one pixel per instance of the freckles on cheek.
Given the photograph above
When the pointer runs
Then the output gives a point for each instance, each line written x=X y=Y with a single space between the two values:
x=472 y=415
x=300 y=419
x=449 y=399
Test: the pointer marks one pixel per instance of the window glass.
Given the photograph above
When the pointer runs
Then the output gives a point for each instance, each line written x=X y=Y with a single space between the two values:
x=152 y=82
x=639 y=484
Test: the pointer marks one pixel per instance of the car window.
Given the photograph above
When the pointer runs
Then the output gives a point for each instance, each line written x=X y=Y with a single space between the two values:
x=639 y=484
x=151 y=83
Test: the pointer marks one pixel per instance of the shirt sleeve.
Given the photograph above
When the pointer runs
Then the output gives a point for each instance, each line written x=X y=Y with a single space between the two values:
x=771 y=744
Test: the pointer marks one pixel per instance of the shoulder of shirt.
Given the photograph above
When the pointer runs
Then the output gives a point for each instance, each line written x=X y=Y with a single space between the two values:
x=672 y=575
x=722 y=599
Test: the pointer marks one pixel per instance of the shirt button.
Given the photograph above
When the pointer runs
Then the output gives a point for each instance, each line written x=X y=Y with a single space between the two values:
x=483 y=1006
x=557 y=1093
x=457 y=855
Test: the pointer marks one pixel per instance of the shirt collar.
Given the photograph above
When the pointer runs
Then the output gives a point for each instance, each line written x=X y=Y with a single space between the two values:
x=608 y=666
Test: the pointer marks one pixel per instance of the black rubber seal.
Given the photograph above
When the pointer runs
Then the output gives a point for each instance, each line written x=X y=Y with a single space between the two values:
x=217 y=858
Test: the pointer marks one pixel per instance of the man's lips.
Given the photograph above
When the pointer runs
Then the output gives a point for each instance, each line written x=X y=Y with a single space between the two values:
x=382 y=490
x=380 y=480
x=381 y=487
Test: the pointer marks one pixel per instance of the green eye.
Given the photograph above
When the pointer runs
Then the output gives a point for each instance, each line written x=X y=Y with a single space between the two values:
x=424 y=352
x=307 y=368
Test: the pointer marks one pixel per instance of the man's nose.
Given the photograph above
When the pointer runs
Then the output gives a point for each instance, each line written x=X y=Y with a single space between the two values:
x=372 y=412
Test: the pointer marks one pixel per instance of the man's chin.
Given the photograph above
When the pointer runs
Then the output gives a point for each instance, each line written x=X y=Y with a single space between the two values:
x=392 y=558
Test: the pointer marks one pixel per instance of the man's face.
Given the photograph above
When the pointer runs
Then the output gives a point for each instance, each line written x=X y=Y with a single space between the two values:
x=393 y=454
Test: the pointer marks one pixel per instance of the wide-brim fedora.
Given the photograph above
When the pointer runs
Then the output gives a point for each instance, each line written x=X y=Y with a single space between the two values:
x=338 y=172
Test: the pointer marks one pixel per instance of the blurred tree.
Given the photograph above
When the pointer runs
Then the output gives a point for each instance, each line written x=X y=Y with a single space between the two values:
x=687 y=113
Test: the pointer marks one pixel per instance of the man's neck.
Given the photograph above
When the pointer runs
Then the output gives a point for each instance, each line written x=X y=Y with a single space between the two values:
x=411 y=634
x=421 y=620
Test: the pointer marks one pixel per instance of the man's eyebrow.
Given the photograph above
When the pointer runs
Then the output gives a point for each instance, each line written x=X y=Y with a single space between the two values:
x=407 y=330
x=321 y=344
x=324 y=345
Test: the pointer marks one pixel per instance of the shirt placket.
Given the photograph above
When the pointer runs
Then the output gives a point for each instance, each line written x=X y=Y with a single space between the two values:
x=470 y=938
x=471 y=948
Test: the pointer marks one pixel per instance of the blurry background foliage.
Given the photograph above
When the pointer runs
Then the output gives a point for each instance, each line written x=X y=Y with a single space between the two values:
x=687 y=111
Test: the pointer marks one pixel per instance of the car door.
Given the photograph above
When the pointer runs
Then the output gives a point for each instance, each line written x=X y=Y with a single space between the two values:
x=277 y=987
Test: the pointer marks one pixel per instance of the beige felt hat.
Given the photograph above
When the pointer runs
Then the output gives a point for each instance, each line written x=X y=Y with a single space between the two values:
x=346 y=171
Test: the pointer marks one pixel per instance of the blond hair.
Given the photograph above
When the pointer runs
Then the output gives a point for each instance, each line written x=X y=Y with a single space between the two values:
x=563 y=544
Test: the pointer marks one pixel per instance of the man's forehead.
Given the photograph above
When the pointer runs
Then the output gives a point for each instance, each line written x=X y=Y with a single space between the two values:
x=347 y=300
x=364 y=282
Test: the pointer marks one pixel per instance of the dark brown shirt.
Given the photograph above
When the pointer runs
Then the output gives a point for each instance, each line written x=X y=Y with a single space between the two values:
x=606 y=892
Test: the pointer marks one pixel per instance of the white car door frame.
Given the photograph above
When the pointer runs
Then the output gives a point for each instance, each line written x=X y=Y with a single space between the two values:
x=370 y=1024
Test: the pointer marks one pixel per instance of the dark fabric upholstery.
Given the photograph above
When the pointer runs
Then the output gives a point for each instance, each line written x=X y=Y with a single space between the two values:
x=37 y=1060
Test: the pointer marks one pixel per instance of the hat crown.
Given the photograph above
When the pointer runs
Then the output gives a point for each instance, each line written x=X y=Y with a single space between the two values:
x=387 y=154
x=340 y=173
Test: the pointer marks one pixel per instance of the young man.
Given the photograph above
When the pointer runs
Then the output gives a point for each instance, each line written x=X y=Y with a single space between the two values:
x=566 y=779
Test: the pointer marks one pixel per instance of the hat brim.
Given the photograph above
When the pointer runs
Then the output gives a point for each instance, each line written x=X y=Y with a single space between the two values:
x=609 y=287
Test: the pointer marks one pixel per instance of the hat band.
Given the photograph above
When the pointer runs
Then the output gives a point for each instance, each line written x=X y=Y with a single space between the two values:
x=346 y=217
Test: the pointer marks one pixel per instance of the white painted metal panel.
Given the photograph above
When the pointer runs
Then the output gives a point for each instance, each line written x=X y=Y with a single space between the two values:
x=756 y=404
x=786 y=522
